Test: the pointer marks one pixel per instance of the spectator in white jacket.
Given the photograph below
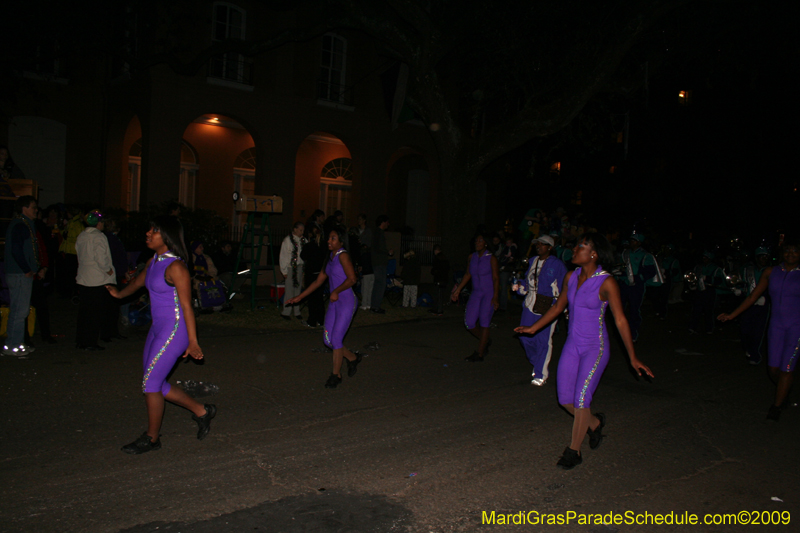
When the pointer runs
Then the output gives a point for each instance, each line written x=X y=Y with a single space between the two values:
x=291 y=265
x=97 y=316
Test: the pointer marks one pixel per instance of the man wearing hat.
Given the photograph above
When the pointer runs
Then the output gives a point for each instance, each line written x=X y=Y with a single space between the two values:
x=753 y=321
x=541 y=286
x=640 y=268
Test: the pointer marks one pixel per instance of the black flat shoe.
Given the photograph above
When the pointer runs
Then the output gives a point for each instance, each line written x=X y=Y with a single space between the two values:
x=596 y=436
x=142 y=445
x=774 y=413
x=204 y=422
x=333 y=381
x=569 y=459
x=352 y=366
x=474 y=358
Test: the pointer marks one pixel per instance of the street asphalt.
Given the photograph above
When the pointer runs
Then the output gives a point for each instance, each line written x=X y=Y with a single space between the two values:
x=418 y=441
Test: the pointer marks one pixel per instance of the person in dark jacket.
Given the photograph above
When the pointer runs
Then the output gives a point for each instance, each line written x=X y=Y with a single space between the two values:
x=313 y=255
x=380 y=259
x=441 y=273
x=412 y=272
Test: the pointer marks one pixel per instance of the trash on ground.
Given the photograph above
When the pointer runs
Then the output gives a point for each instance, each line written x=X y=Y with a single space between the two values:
x=412 y=474
x=372 y=346
x=321 y=350
x=199 y=389
x=776 y=499
x=684 y=351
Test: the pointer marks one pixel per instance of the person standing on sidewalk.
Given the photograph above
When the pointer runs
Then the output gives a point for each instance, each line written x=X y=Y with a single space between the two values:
x=291 y=265
x=172 y=335
x=22 y=264
x=441 y=276
x=97 y=313
x=589 y=290
x=380 y=260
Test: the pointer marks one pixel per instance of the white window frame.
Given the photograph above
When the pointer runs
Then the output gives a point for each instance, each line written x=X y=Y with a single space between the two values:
x=340 y=184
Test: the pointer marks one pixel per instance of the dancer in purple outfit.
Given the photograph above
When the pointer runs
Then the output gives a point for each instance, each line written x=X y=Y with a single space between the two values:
x=783 y=334
x=339 y=268
x=588 y=290
x=173 y=333
x=482 y=269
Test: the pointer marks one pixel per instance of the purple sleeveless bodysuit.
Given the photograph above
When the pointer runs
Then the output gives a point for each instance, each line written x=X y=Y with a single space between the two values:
x=479 y=307
x=585 y=354
x=168 y=338
x=783 y=335
x=340 y=313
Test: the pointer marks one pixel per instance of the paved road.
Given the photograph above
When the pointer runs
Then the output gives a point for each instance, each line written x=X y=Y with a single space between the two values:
x=418 y=441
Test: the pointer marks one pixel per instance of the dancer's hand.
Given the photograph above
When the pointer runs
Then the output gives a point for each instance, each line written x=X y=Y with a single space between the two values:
x=523 y=329
x=640 y=367
x=334 y=297
x=495 y=303
x=291 y=301
x=724 y=317
x=112 y=290
x=194 y=350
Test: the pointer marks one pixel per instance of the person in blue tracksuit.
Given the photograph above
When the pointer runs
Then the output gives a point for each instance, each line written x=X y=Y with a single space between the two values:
x=640 y=268
x=543 y=280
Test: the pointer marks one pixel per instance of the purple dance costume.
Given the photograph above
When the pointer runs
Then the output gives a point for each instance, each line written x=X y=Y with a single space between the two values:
x=479 y=307
x=340 y=313
x=783 y=335
x=585 y=354
x=168 y=337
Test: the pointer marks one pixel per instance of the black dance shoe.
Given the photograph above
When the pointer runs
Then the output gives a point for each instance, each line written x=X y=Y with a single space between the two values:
x=596 y=436
x=474 y=358
x=142 y=445
x=204 y=422
x=333 y=381
x=569 y=459
x=774 y=413
x=352 y=366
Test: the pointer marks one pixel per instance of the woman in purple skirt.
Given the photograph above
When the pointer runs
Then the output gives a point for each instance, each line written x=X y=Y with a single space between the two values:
x=482 y=270
x=173 y=334
x=338 y=268
x=588 y=291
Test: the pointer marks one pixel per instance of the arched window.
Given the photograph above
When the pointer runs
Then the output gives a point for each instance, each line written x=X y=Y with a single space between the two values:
x=335 y=184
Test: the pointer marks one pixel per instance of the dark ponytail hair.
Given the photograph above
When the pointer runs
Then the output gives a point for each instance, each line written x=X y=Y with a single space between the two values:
x=601 y=246
x=171 y=232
